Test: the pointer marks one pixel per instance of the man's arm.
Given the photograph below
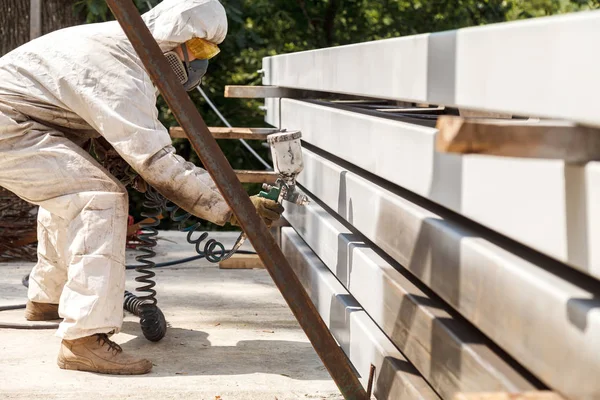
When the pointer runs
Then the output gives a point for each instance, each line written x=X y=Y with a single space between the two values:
x=186 y=185
x=121 y=107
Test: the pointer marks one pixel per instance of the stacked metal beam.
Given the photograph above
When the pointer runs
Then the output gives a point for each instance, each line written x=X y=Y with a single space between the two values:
x=450 y=273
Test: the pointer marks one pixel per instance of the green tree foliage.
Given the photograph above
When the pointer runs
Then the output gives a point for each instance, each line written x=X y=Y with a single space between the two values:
x=540 y=8
x=259 y=28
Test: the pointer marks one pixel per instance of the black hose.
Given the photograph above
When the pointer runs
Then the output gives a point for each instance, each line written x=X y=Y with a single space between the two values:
x=186 y=260
x=152 y=320
x=4 y=325
x=12 y=307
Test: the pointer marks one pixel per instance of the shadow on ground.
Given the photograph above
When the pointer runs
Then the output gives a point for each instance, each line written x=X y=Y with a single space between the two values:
x=171 y=356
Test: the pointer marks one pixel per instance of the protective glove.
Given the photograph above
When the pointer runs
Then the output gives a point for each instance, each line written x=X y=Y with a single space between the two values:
x=269 y=210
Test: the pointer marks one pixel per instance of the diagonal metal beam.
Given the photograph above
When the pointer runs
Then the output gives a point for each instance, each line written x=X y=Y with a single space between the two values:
x=217 y=165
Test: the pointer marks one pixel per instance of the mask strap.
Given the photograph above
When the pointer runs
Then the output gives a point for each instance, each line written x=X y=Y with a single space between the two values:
x=185 y=54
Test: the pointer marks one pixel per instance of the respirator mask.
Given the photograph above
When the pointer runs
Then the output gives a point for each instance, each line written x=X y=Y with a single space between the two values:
x=190 y=73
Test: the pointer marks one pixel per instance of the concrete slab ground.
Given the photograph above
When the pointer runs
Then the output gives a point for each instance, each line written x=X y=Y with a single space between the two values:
x=231 y=336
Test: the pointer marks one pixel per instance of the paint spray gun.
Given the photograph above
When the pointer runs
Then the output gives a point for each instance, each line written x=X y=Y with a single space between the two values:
x=286 y=151
x=287 y=161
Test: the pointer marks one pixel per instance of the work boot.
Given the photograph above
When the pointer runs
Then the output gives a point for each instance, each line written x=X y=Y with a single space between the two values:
x=41 y=311
x=97 y=353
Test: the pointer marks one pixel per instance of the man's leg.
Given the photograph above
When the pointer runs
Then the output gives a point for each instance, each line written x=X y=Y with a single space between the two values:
x=49 y=275
x=44 y=168
x=92 y=299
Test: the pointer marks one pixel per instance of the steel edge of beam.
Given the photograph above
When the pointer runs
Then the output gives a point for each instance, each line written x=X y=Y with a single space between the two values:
x=217 y=165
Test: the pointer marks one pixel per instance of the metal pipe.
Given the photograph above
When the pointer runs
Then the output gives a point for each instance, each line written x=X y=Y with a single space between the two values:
x=217 y=165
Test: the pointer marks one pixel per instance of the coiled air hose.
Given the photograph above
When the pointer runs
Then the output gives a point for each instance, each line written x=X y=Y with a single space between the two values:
x=152 y=320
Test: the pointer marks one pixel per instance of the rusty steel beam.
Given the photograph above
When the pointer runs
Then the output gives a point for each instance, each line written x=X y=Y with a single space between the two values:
x=245 y=176
x=217 y=165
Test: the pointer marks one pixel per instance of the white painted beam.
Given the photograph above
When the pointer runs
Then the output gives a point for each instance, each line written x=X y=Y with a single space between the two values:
x=450 y=354
x=550 y=324
x=362 y=341
x=548 y=205
x=540 y=67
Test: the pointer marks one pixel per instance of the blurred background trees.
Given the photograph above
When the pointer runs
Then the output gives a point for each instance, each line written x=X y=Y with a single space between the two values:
x=259 y=28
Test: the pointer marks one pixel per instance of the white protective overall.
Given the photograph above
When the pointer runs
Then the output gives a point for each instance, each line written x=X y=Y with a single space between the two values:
x=60 y=90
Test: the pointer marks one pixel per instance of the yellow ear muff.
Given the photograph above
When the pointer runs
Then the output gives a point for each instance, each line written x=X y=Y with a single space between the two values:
x=202 y=49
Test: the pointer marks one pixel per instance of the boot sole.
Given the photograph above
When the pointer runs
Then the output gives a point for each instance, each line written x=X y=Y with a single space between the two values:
x=76 y=366
x=34 y=317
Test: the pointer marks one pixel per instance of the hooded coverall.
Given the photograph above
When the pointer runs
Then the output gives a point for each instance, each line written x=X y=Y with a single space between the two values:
x=57 y=92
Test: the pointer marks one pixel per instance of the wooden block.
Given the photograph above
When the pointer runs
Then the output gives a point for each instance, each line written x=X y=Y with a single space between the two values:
x=254 y=92
x=541 y=395
x=242 y=261
x=246 y=176
x=177 y=132
x=261 y=92
x=482 y=114
x=518 y=138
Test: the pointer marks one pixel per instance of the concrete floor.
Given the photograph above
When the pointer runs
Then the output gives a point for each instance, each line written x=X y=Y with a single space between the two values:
x=231 y=336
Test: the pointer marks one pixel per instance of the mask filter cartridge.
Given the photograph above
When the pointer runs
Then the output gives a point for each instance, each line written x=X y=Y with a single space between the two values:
x=177 y=66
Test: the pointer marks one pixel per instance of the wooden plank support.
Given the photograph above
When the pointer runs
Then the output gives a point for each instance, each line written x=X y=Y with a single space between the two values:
x=541 y=395
x=466 y=113
x=241 y=261
x=266 y=92
x=246 y=176
x=256 y=92
x=360 y=338
x=176 y=132
x=518 y=138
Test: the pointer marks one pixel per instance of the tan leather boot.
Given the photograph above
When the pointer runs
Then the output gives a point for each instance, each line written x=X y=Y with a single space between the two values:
x=41 y=311
x=97 y=353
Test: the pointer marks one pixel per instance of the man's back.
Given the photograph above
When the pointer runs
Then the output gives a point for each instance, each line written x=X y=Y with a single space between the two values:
x=47 y=78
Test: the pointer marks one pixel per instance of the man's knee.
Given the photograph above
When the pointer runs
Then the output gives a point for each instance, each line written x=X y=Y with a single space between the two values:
x=121 y=190
x=120 y=196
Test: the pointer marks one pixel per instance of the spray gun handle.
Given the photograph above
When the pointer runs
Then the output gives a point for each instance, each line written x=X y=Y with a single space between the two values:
x=272 y=192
